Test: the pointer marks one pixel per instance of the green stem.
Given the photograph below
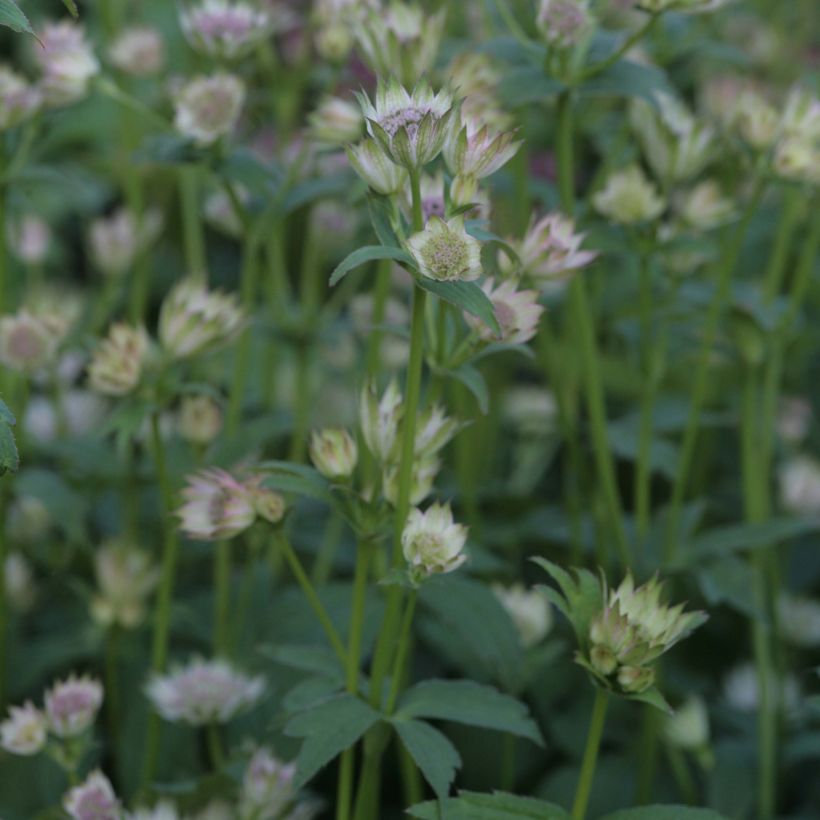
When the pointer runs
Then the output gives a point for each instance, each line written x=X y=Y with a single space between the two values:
x=162 y=611
x=315 y=602
x=301 y=405
x=381 y=291
x=564 y=152
x=192 y=232
x=215 y=746
x=112 y=690
x=397 y=677
x=222 y=597
x=682 y=775
x=643 y=469
x=792 y=209
x=686 y=454
x=596 y=730
x=629 y=43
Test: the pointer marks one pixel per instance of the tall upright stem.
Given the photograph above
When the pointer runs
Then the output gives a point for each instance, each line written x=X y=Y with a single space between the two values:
x=596 y=730
x=192 y=233
x=222 y=597
x=643 y=469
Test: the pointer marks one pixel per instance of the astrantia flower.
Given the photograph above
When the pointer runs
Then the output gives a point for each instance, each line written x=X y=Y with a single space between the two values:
x=629 y=197
x=336 y=121
x=29 y=239
x=798 y=159
x=217 y=506
x=473 y=149
x=19 y=100
x=268 y=503
x=517 y=313
x=529 y=610
x=445 y=251
x=434 y=430
x=754 y=120
x=705 y=207
x=411 y=128
x=194 y=319
x=116 y=367
x=801 y=115
x=432 y=542
x=117 y=239
x=550 y=248
x=333 y=452
x=27 y=342
x=225 y=30
x=138 y=51
x=423 y=476
x=564 y=23
x=200 y=419
x=267 y=787
x=24 y=731
x=377 y=169
x=125 y=579
x=207 y=108
x=94 y=799
x=379 y=419
x=203 y=692
x=799 y=479
x=72 y=705
x=688 y=728
x=67 y=61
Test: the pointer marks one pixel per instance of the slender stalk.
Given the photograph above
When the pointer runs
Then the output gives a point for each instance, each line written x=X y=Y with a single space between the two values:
x=686 y=454
x=565 y=152
x=381 y=291
x=683 y=777
x=192 y=233
x=301 y=405
x=632 y=40
x=310 y=593
x=596 y=730
x=215 y=746
x=792 y=208
x=112 y=688
x=222 y=597
x=643 y=469
x=400 y=663
x=162 y=610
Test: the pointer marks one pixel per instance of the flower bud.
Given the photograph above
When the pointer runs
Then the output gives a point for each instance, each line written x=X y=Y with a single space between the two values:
x=207 y=108
x=268 y=503
x=125 y=579
x=798 y=159
x=336 y=122
x=379 y=419
x=704 y=207
x=18 y=99
x=216 y=507
x=138 y=51
x=72 y=705
x=472 y=149
x=116 y=368
x=530 y=612
x=118 y=239
x=29 y=239
x=799 y=479
x=754 y=120
x=444 y=251
x=27 y=342
x=434 y=430
x=333 y=42
x=688 y=727
x=24 y=731
x=635 y=679
x=267 y=787
x=67 y=61
x=200 y=419
x=94 y=799
x=371 y=163
x=432 y=542
x=564 y=23
x=194 y=319
x=334 y=453
x=629 y=197
x=224 y=30
x=517 y=312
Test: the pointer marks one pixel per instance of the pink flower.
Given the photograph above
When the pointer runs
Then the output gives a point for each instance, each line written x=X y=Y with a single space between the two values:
x=24 y=730
x=217 y=506
x=72 y=705
x=517 y=312
x=93 y=800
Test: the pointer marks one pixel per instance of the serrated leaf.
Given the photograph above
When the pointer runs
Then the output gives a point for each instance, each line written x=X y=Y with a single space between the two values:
x=474 y=704
x=12 y=17
x=664 y=813
x=368 y=254
x=328 y=729
x=72 y=8
x=432 y=752
x=497 y=806
x=627 y=79
x=295 y=478
x=528 y=84
x=723 y=541
x=465 y=295
x=472 y=379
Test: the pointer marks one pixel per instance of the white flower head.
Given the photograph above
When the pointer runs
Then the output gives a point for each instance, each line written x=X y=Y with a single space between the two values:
x=425 y=470
x=138 y=51
x=444 y=251
x=564 y=23
x=517 y=312
x=705 y=207
x=72 y=705
x=116 y=240
x=434 y=430
x=67 y=62
x=223 y=29
x=203 y=692
x=28 y=341
x=473 y=149
x=117 y=364
x=379 y=419
x=216 y=507
x=334 y=452
x=432 y=542
x=24 y=731
x=208 y=108
x=200 y=419
x=410 y=127
x=93 y=799
x=19 y=99
x=629 y=197
x=267 y=787
x=529 y=610
x=377 y=169
x=125 y=578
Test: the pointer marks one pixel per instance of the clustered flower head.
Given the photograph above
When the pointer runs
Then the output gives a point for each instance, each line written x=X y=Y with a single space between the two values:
x=118 y=239
x=517 y=312
x=334 y=452
x=377 y=169
x=203 y=692
x=267 y=786
x=67 y=62
x=208 y=108
x=529 y=610
x=225 y=30
x=117 y=365
x=473 y=149
x=24 y=731
x=564 y=23
x=125 y=579
x=28 y=341
x=19 y=100
x=138 y=51
x=444 y=251
x=432 y=542
x=194 y=319
x=93 y=799
x=705 y=207
x=629 y=197
x=200 y=419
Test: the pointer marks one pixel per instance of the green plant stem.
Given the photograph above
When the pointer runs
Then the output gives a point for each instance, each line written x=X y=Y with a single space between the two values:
x=381 y=291
x=792 y=208
x=192 y=232
x=162 y=610
x=647 y=754
x=222 y=597
x=286 y=548
x=112 y=689
x=686 y=454
x=682 y=775
x=596 y=730
x=629 y=43
x=565 y=153
x=643 y=470
x=399 y=666
x=215 y=746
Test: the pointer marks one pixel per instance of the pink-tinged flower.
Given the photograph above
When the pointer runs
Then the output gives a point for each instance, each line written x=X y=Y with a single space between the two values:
x=550 y=248
x=24 y=731
x=473 y=149
x=432 y=542
x=72 y=705
x=93 y=799
x=67 y=61
x=138 y=51
x=517 y=312
x=217 y=506
x=267 y=787
x=194 y=319
x=208 y=108
x=225 y=30
x=116 y=367
x=203 y=692
x=19 y=100
x=27 y=342
x=564 y=22
x=116 y=240
x=29 y=239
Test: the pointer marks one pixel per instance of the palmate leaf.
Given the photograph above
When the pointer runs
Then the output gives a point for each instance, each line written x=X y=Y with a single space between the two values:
x=465 y=295
x=496 y=806
x=580 y=599
x=300 y=479
x=432 y=752
x=368 y=254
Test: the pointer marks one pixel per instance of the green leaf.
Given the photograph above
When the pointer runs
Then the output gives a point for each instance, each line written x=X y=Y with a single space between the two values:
x=328 y=729
x=300 y=479
x=9 y=457
x=465 y=295
x=527 y=85
x=368 y=254
x=723 y=541
x=464 y=701
x=72 y=8
x=654 y=698
x=306 y=658
x=472 y=379
x=497 y=806
x=628 y=79
x=306 y=192
x=12 y=17
x=168 y=149
x=381 y=213
x=432 y=752
x=664 y=813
